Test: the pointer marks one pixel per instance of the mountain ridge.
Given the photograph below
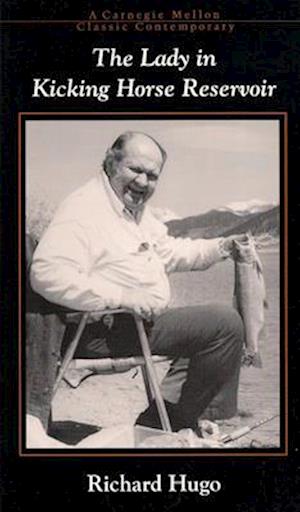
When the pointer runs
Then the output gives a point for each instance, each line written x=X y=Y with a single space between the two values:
x=224 y=223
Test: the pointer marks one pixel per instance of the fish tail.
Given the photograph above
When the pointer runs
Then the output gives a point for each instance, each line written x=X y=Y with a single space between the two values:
x=252 y=359
x=257 y=361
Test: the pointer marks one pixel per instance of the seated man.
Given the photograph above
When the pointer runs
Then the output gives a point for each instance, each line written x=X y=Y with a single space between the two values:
x=105 y=249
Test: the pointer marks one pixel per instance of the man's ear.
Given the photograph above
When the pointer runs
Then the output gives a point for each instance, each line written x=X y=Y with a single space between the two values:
x=109 y=163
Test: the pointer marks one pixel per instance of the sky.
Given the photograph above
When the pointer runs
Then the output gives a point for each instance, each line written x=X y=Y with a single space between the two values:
x=210 y=162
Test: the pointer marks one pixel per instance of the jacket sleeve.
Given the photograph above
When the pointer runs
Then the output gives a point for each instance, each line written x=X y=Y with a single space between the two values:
x=60 y=270
x=181 y=254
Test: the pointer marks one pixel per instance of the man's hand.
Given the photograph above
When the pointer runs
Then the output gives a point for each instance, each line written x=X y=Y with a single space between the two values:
x=141 y=303
x=228 y=242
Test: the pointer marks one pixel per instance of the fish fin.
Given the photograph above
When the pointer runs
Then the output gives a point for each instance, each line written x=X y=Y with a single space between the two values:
x=260 y=276
x=258 y=264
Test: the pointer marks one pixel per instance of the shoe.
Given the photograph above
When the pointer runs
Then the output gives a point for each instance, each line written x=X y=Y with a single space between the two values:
x=150 y=417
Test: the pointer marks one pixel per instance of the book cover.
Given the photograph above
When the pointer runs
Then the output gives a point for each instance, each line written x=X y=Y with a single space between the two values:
x=209 y=96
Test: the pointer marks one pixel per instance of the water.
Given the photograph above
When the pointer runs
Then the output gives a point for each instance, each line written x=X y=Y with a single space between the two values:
x=259 y=388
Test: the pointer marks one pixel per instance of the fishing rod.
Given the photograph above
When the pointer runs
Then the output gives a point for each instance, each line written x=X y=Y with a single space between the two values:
x=227 y=438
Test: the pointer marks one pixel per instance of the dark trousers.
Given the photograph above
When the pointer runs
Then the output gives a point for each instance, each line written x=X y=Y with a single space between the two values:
x=204 y=342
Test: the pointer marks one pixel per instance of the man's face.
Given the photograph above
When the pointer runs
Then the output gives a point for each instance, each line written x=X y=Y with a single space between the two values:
x=134 y=177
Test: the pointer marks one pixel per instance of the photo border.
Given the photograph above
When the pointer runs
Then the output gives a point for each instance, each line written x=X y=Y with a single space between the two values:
x=283 y=176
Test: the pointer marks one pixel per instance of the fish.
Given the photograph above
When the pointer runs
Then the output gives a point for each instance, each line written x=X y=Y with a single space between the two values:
x=250 y=297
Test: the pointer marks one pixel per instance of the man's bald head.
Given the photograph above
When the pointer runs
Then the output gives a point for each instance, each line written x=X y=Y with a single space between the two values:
x=133 y=165
x=126 y=140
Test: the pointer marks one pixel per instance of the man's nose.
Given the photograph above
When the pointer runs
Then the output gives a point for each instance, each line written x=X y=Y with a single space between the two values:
x=142 y=179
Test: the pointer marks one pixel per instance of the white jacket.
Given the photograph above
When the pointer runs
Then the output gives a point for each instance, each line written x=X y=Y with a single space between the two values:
x=93 y=250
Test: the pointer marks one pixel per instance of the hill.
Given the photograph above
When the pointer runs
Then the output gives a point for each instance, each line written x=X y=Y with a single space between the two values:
x=262 y=223
x=224 y=223
x=205 y=225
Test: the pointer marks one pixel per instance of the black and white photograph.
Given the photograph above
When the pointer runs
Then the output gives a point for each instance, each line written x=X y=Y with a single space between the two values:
x=153 y=303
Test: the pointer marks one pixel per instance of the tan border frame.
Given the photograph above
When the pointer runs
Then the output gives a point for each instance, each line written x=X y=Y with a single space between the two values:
x=284 y=195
